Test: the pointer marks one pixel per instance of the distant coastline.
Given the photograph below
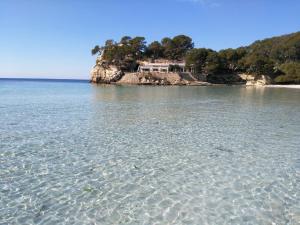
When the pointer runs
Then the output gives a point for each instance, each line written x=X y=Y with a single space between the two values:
x=57 y=80
x=175 y=61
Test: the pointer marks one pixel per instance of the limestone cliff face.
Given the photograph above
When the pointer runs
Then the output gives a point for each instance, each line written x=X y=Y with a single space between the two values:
x=100 y=74
x=104 y=73
x=253 y=80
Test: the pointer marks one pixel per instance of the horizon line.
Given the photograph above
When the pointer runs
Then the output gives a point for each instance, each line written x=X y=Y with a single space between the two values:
x=33 y=78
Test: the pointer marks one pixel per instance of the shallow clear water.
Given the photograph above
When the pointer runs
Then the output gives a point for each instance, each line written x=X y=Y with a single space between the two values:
x=75 y=153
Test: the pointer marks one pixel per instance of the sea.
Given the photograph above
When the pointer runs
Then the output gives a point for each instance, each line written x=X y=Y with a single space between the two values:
x=72 y=152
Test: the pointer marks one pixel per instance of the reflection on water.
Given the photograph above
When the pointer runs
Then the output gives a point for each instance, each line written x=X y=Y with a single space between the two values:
x=87 y=154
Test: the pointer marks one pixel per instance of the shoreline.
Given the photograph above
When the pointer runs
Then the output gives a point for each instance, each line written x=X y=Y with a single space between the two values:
x=293 y=86
x=203 y=84
x=200 y=84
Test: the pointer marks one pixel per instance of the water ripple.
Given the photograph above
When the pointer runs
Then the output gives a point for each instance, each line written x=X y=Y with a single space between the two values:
x=142 y=155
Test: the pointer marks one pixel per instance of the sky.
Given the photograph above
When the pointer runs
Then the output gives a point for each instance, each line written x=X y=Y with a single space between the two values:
x=53 y=38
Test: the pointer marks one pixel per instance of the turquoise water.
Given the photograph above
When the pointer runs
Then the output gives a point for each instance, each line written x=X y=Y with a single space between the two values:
x=76 y=153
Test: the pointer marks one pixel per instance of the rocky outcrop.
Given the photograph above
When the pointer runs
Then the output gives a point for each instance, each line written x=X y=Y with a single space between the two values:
x=143 y=79
x=160 y=79
x=103 y=73
x=254 y=80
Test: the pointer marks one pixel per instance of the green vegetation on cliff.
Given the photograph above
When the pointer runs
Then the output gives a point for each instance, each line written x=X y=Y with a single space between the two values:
x=277 y=57
x=291 y=73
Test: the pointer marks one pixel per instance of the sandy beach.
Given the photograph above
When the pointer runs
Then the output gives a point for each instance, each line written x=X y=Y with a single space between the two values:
x=294 y=86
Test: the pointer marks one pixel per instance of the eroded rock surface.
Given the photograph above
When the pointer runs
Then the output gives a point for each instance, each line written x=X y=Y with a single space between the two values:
x=252 y=80
x=104 y=73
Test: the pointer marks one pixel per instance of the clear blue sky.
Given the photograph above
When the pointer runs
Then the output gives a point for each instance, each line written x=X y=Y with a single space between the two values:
x=53 y=38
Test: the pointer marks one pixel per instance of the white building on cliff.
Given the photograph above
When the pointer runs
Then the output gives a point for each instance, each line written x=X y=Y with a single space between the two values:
x=162 y=67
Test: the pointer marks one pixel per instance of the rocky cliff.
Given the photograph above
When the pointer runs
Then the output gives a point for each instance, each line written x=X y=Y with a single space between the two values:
x=254 y=80
x=104 y=73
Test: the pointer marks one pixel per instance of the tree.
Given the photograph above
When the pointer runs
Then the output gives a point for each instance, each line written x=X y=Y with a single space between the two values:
x=231 y=58
x=259 y=65
x=125 y=40
x=96 y=50
x=291 y=73
x=196 y=59
x=182 y=44
x=176 y=48
x=155 y=50
x=168 y=47
x=137 y=47
x=109 y=43
x=214 y=64
x=111 y=54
